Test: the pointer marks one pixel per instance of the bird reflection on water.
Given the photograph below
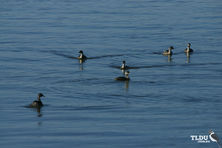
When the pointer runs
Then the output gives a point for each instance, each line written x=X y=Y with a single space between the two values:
x=127 y=85
x=38 y=110
x=169 y=58
x=188 y=57
x=81 y=62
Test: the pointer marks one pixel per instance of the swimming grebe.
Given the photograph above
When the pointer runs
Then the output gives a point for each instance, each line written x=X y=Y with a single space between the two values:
x=123 y=66
x=169 y=51
x=126 y=78
x=188 y=49
x=37 y=103
x=81 y=56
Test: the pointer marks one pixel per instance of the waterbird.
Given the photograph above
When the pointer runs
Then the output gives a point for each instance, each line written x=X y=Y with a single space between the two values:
x=188 y=49
x=125 y=78
x=123 y=66
x=81 y=56
x=169 y=51
x=214 y=138
x=37 y=103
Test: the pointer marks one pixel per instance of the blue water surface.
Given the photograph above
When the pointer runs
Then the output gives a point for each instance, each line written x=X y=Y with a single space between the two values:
x=166 y=101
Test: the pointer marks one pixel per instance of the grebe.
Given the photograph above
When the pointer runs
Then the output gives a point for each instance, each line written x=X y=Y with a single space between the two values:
x=188 y=49
x=169 y=51
x=123 y=66
x=126 y=78
x=37 y=103
x=81 y=56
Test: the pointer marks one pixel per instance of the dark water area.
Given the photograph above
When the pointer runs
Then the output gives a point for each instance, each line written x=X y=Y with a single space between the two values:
x=166 y=100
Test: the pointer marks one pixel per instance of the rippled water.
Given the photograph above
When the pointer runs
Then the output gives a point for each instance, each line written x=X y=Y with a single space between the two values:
x=166 y=100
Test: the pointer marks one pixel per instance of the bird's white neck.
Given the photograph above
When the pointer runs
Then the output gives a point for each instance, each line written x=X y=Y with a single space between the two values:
x=169 y=50
x=188 y=48
x=123 y=66
x=81 y=55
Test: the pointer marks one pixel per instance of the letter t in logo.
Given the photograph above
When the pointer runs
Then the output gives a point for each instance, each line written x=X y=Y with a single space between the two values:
x=193 y=137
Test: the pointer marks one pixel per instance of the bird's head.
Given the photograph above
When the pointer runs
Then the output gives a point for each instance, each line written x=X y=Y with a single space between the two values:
x=40 y=95
x=171 y=47
x=189 y=44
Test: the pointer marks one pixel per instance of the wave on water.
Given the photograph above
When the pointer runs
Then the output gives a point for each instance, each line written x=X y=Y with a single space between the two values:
x=104 y=56
x=96 y=57
x=63 y=55
x=166 y=65
x=174 y=53
x=139 y=67
x=88 y=107
x=78 y=80
x=192 y=100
